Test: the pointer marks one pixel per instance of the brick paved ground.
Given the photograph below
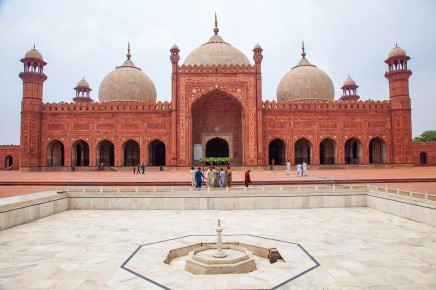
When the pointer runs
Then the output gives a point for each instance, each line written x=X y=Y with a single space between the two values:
x=373 y=175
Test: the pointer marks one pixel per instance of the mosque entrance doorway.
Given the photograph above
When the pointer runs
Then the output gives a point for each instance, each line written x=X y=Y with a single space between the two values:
x=377 y=151
x=80 y=153
x=216 y=119
x=327 y=151
x=217 y=147
x=277 y=152
x=131 y=153
x=353 y=151
x=302 y=151
x=106 y=154
x=423 y=158
x=55 y=153
x=9 y=161
x=156 y=153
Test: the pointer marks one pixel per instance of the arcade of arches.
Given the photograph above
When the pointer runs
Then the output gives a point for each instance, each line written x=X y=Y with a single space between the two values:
x=105 y=154
x=217 y=126
x=328 y=151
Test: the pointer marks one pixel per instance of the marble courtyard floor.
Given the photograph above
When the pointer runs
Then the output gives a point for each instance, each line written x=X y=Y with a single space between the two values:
x=357 y=248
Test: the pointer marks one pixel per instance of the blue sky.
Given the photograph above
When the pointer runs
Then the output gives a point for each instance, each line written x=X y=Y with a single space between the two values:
x=87 y=38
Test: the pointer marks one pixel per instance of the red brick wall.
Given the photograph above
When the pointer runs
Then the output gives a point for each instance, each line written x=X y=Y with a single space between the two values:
x=429 y=148
x=12 y=151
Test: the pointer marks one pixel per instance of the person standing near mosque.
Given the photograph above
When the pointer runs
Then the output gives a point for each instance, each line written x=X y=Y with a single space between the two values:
x=208 y=176
x=138 y=169
x=143 y=168
x=229 y=176
x=222 y=178
x=299 y=170
x=216 y=177
x=192 y=173
x=288 y=168
x=304 y=169
x=198 y=178
x=247 y=178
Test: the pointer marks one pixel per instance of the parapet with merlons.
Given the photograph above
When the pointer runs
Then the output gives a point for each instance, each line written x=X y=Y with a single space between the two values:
x=326 y=105
x=107 y=106
x=217 y=68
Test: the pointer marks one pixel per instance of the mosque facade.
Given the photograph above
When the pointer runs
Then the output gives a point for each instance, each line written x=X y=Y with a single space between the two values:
x=216 y=110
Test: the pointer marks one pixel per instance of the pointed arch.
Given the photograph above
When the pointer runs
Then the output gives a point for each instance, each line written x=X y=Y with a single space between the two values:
x=377 y=151
x=328 y=151
x=80 y=153
x=131 y=153
x=302 y=151
x=156 y=153
x=105 y=153
x=277 y=150
x=423 y=158
x=9 y=161
x=353 y=151
x=55 y=153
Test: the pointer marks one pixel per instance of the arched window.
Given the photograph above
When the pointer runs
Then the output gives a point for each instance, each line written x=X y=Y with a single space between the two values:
x=217 y=147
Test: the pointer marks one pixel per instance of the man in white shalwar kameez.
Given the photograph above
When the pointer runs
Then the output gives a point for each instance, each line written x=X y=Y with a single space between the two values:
x=288 y=168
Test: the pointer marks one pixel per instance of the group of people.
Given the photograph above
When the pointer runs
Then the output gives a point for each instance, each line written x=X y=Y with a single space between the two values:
x=214 y=178
x=301 y=169
x=138 y=169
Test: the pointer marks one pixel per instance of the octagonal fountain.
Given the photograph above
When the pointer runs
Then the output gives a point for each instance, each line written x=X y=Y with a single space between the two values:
x=221 y=258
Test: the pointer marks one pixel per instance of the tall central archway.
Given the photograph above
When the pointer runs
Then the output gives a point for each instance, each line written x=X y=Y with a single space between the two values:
x=218 y=115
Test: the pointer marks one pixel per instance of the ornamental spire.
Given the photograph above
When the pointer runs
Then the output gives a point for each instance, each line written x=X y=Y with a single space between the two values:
x=128 y=50
x=303 y=54
x=216 y=29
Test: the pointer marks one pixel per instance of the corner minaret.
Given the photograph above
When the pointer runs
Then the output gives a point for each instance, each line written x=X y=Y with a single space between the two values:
x=31 y=109
x=398 y=76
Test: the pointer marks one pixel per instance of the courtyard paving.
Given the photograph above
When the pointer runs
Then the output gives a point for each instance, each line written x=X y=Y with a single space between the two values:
x=357 y=248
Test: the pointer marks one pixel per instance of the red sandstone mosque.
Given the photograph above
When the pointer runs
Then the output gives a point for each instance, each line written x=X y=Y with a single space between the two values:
x=216 y=110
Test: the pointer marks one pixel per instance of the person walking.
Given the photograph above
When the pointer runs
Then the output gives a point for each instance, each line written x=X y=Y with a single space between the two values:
x=288 y=168
x=304 y=169
x=138 y=169
x=299 y=170
x=229 y=176
x=222 y=181
x=192 y=173
x=143 y=168
x=208 y=176
x=247 y=178
x=198 y=178
x=134 y=169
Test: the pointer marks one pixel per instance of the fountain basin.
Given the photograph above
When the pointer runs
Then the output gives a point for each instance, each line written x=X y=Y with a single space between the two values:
x=200 y=261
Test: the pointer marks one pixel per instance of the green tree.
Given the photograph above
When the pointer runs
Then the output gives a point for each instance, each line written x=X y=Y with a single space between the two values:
x=426 y=136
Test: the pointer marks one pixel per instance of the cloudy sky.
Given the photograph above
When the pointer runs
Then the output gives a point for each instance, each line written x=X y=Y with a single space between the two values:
x=88 y=38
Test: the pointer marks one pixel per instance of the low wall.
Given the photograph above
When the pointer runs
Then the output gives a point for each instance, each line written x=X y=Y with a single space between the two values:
x=26 y=211
x=406 y=204
x=419 y=207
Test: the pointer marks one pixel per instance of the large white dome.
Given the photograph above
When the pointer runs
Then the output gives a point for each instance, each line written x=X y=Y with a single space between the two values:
x=216 y=51
x=305 y=82
x=127 y=83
